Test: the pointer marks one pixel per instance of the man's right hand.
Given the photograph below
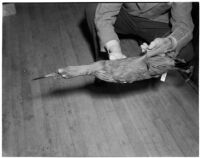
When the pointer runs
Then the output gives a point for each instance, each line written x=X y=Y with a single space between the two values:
x=116 y=55
x=114 y=50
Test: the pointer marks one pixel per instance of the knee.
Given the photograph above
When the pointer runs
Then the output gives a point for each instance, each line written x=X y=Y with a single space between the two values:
x=187 y=52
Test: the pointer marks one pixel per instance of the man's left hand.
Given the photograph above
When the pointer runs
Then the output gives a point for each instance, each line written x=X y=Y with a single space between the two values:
x=157 y=46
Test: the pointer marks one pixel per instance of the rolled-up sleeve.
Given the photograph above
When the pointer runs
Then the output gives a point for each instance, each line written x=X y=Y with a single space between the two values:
x=182 y=25
x=105 y=17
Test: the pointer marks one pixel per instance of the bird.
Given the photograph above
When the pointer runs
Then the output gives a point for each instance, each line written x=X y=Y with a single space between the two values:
x=127 y=70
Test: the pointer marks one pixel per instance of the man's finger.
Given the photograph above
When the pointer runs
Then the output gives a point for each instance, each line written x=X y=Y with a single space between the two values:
x=144 y=47
x=154 y=44
x=154 y=52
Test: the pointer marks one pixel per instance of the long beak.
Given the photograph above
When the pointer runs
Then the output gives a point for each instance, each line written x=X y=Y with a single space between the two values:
x=54 y=74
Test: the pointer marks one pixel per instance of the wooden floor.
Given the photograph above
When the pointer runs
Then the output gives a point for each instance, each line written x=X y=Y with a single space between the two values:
x=74 y=117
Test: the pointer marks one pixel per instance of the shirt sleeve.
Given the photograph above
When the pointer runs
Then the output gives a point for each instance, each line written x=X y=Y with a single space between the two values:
x=105 y=17
x=182 y=25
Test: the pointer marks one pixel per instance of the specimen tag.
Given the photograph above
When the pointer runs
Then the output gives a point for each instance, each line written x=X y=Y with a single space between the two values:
x=163 y=77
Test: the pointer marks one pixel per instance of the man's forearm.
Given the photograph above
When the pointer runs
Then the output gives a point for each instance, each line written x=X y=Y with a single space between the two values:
x=105 y=17
x=182 y=25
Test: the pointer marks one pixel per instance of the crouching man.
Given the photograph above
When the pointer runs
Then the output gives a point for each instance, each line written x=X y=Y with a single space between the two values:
x=164 y=27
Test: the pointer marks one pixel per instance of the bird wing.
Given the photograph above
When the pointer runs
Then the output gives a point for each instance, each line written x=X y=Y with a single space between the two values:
x=103 y=75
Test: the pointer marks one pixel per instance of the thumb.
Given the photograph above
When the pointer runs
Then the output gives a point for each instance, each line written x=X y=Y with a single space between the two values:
x=153 y=44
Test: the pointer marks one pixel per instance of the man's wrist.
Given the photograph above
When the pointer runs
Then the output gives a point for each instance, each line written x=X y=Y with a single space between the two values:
x=113 y=46
x=169 y=43
x=173 y=43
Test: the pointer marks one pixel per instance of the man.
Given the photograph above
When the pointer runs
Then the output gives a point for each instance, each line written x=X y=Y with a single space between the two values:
x=164 y=27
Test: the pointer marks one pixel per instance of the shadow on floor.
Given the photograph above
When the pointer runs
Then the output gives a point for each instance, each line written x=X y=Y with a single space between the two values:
x=108 y=89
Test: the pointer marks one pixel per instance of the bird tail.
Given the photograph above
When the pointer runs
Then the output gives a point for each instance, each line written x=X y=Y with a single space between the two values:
x=184 y=67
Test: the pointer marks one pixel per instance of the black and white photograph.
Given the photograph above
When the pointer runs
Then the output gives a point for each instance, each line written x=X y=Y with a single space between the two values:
x=100 y=79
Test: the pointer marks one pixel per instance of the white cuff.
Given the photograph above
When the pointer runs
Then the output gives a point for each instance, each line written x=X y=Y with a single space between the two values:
x=111 y=43
x=174 y=43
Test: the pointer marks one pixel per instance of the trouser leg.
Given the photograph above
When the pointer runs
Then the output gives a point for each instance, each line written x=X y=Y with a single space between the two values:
x=187 y=52
x=90 y=15
x=146 y=29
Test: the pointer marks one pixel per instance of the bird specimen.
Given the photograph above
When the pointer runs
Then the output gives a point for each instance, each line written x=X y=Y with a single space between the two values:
x=126 y=70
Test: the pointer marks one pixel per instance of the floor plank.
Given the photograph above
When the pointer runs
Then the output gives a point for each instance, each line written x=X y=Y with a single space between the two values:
x=74 y=117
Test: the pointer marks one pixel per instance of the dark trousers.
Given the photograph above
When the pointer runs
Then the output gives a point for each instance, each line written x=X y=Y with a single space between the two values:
x=126 y=24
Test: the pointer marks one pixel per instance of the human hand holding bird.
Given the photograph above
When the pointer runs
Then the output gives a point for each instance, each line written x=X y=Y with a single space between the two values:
x=157 y=47
x=114 y=50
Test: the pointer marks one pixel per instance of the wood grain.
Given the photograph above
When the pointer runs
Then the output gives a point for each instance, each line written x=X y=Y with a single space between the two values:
x=74 y=117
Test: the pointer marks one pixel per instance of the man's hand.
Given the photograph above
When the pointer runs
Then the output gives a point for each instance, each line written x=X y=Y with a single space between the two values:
x=114 y=50
x=116 y=55
x=157 y=46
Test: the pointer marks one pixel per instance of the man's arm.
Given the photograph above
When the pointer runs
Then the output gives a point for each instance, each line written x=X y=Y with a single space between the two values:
x=105 y=17
x=182 y=25
x=182 y=28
